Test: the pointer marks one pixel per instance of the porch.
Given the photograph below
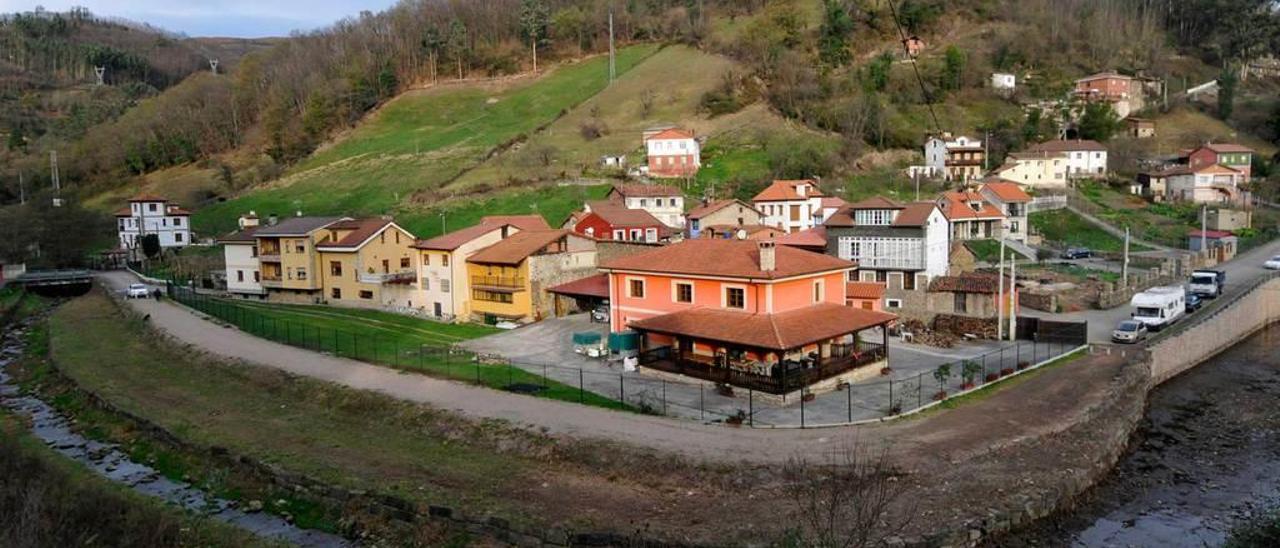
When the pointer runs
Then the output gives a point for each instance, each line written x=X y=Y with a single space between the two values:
x=796 y=371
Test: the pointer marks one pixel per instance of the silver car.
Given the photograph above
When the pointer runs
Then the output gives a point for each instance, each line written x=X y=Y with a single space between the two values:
x=137 y=291
x=1129 y=332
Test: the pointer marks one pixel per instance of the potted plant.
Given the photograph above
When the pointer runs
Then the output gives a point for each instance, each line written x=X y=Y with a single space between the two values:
x=1006 y=372
x=968 y=372
x=992 y=377
x=1023 y=365
x=940 y=395
x=885 y=371
x=941 y=374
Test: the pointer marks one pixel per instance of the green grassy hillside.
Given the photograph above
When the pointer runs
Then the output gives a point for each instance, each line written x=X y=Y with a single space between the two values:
x=420 y=141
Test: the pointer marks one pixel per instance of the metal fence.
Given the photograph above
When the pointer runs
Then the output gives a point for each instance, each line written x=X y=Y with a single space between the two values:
x=608 y=385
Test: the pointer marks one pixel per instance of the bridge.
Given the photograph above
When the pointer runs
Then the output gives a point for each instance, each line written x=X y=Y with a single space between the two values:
x=56 y=283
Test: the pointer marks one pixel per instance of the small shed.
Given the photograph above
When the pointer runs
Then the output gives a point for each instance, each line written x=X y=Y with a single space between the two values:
x=1224 y=244
x=1140 y=128
x=913 y=45
x=1003 y=81
x=581 y=295
x=614 y=160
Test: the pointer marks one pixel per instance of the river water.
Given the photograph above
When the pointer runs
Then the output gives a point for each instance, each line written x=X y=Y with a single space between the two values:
x=1207 y=458
x=109 y=462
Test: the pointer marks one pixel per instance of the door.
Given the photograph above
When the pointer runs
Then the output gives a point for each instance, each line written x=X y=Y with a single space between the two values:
x=438 y=310
x=686 y=347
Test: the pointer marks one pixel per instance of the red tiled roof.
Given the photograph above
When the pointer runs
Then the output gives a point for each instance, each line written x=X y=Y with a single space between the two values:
x=712 y=207
x=1068 y=146
x=967 y=283
x=814 y=237
x=1007 y=191
x=457 y=238
x=1217 y=169
x=727 y=258
x=621 y=217
x=671 y=133
x=591 y=286
x=1228 y=148
x=1214 y=234
x=876 y=202
x=833 y=202
x=784 y=190
x=645 y=190
x=517 y=247
x=782 y=331
x=915 y=214
x=178 y=211
x=124 y=212
x=1103 y=75
x=911 y=214
x=361 y=230
x=957 y=207
x=864 y=290
x=522 y=222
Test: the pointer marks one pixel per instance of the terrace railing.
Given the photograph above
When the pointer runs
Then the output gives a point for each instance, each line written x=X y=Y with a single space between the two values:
x=779 y=378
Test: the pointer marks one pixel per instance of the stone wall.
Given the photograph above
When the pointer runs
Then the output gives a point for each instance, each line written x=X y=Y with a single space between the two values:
x=1047 y=302
x=1215 y=329
x=553 y=269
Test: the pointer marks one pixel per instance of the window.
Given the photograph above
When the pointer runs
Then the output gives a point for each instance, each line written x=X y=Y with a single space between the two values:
x=404 y=261
x=151 y=207
x=366 y=294
x=684 y=292
x=397 y=233
x=962 y=303
x=444 y=260
x=164 y=222
x=819 y=291
x=867 y=305
x=635 y=289
x=444 y=286
x=882 y=276
x=257 y=277
x=177 y=221
x=335 y=268
x=491 y=296
x=302 y=273
x=300 y=246
x=735 y=297
x=335 y=293
x=253 y=251
x=644 y=202
x=908 y=281
x=240 y=276
x=177 y=236
x=386 y=266
x=426 y=284
x=426 y=259
x=1013 y=226
x=893 y=303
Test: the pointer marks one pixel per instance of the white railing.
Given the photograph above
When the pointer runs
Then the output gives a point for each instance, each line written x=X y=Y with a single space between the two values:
x=407 y=275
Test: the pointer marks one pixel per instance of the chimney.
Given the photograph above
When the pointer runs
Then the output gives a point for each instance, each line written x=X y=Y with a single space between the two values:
x=272 y=220
x=768 y=256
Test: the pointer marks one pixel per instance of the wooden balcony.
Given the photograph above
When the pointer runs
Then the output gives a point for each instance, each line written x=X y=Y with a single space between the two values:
x=498 y=283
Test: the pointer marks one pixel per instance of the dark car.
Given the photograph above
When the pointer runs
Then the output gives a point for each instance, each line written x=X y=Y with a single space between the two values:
x=1073 y=253
x=1194 y=302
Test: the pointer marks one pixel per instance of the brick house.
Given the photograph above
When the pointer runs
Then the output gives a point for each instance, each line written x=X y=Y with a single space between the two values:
x=1125 y=93
x=749 y=314
x=1236 y=157
x=672 y=153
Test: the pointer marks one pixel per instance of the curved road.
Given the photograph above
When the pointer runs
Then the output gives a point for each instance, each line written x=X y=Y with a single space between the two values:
x=1044 y=403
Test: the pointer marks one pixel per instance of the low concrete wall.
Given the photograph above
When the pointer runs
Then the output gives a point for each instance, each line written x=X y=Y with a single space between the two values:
x=1215 y=329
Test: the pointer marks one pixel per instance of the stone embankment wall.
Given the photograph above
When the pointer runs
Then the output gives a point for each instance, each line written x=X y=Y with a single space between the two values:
x=1217 y=328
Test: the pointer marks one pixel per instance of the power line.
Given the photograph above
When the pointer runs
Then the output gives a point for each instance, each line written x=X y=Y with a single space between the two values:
x=915 y=67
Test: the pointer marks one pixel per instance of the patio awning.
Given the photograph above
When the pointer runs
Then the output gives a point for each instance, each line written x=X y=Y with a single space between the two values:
x=782 y=331
x=596 y=286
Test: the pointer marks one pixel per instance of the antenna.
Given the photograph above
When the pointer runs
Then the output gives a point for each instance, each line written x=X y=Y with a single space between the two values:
x=53 y=175
x=213 y=65
x=100 y=72
x=613 y=67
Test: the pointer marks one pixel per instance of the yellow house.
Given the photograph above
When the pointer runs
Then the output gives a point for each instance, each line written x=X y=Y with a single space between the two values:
x=367 y=263
x=290 y=264
x=509 y=279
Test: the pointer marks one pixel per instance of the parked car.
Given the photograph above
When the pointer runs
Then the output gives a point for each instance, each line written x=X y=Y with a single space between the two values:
x=600 y=314
x=137 y=291
x=1073 y=253
x=1129 y=332
x=1194 y=302
x=1273 y=263
x=1207 y=283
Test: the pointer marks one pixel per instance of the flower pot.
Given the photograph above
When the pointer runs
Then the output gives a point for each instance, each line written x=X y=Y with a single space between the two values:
x=941 y=395
x=885 y=371
x=967 y=386
x=1006 y=372
x=1023 y=365
x=992 y=377
x=809 y=396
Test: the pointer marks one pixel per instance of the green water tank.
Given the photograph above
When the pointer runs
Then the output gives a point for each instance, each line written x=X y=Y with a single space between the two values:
x=587 y=337
x=622 y=342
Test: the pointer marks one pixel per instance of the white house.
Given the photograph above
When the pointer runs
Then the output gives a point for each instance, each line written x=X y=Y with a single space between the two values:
x=148 y=214
x=902 y=245
x=662 y=201
x=442 y=283
x=1084 y=158
x=791 y=206
x=240 y=251
x=959 y=159
x=1209 y=184
x=672 y=152
x=1012 y=201
x=1035 y=169
x=1003 y=81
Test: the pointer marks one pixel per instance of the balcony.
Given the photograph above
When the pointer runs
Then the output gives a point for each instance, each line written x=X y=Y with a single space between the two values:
x=498 y=283
x=269 y=257
x=890 y=263
x=402 y=277
x=271 y=283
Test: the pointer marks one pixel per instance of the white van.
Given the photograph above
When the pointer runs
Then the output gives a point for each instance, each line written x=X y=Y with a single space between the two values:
x=1159 y=307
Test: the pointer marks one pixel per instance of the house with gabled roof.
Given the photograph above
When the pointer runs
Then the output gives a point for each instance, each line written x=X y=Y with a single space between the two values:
x=954 y=159
x=791 y=205
x=290 y=264
x=606 y=220
x=971 y=217
x=665 y=202
x=722 y=213
x=903 y=245
x=510 y=278
x=1083 y=158
x=1208 y=184
x=751 y=314
x=1235 y=156
x=240 y=257
x=368 y=263
x=443 y=284
x=1009 y=198
x=672 y=152
x=150 y=214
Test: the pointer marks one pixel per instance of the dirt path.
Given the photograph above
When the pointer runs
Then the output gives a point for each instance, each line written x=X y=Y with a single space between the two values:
x=1040 y=405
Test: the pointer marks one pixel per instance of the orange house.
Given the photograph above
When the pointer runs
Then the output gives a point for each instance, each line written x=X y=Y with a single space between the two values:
x=745 y=313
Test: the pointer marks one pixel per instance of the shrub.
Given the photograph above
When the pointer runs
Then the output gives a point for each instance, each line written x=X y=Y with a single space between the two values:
x=1006 y=372
x=992 y=377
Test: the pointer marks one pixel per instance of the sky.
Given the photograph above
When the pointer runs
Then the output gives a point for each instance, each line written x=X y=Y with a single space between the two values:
x=237 y=18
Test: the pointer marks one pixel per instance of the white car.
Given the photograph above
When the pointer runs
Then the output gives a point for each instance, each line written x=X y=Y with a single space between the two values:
x=1272 y=263
x=137 y=291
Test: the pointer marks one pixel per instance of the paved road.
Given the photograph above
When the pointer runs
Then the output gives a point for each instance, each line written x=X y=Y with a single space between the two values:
x=1245 y=269
x=1043 y=404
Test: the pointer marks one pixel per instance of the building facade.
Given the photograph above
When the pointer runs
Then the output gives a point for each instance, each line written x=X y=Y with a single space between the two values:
x=1035 y=169
x=607 y=220
x=367 y=263
x=791 y=205
x=290 y=265
x=664 y=202
x=509 y=279
x=970 y=216
x=958 y=159
x=444 y=286
x=1083 y=158
x=901 y=245
x=1237 y=157
x=148 y=214
x=1210 y=184
x=672 y=152
x=1012 y=202
x=240 y=254
x=722 y=213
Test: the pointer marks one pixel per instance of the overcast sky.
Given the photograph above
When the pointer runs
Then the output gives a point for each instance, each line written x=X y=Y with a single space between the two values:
x=241 y=18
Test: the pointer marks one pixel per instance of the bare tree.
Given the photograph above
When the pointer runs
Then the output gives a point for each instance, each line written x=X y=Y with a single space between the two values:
x=843 y=502
x=646 y=103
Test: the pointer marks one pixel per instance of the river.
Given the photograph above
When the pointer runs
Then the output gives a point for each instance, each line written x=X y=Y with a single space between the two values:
x=1206 y=459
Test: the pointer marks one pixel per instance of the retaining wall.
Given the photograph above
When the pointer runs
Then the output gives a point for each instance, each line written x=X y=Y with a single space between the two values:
x=1214 y=330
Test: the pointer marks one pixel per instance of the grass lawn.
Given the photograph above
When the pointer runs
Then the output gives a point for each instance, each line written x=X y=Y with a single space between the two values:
x=989 y=250
x=554 y=203
x=402 y=342
x=1066 y=229
x=419 y=141
x=1081 y=272
x=890 y=183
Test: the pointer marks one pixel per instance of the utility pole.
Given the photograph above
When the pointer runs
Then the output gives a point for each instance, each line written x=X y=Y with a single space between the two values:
x=53 y=175
x=213 y=66
x=1204 y=226
x=1000 y=294
x=100 y=72
x=1013 y=293
x=613 y=66
x=22 y=189
x=1124 y=268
